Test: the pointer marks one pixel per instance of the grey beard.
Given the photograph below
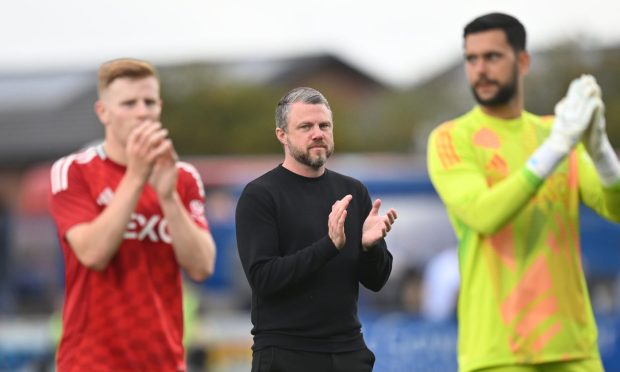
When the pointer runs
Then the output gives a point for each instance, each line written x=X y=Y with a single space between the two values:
x=316 y=163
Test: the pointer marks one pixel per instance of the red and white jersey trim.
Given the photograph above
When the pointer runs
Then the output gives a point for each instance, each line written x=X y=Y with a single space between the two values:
x=60 y=169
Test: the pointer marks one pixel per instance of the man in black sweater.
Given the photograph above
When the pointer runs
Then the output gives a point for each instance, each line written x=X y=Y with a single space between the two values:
x=307 y=237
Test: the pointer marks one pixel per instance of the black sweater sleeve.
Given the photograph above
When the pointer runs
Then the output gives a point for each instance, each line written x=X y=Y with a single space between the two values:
x=375 y=265
x=269 y=272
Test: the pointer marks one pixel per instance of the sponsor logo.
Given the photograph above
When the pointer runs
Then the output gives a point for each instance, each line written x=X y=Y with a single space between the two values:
x=154 y=229
x=105 y=197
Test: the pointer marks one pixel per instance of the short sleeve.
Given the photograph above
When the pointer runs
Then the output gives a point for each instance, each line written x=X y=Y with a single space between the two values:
x=70 y=200
x=192 y=193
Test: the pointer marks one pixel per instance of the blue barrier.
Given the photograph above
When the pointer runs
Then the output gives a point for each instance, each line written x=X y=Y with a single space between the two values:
x=405 y=343
x=402 y=342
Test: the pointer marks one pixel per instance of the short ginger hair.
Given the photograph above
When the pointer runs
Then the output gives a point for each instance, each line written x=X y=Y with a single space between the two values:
x=124 y=68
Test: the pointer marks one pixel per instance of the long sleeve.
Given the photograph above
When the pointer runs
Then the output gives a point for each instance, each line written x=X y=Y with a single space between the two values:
x=604 y=200
x=463 y=187
x=269 y=272
x=375 y=265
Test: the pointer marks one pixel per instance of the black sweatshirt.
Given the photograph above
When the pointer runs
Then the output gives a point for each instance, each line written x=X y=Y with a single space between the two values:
x=305 y=291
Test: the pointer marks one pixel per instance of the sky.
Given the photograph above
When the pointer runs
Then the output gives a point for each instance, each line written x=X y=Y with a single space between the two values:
x=398 y=42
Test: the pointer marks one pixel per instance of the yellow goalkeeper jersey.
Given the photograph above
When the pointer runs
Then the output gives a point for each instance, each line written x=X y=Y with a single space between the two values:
x=523 y=296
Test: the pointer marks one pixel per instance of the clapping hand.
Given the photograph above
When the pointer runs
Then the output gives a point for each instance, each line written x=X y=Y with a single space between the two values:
x=376 y=226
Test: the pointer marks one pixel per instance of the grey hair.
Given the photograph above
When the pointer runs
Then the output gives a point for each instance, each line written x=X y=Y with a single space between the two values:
x=301 y=94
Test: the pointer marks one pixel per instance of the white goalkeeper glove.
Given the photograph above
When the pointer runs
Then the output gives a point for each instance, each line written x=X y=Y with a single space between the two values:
x=600 y=150
x=573 y=114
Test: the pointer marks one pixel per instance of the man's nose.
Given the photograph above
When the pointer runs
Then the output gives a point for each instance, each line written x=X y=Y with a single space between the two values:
x=480 y=66
x=317 y=132
x=142 y=109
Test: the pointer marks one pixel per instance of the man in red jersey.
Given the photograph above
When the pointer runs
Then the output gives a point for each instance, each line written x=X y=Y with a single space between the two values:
x=129 y=216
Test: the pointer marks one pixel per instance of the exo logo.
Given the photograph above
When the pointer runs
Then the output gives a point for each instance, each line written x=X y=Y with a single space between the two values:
x=155 y=228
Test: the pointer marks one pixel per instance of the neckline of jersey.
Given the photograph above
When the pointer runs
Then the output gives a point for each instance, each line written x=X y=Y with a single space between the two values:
x=495 y=121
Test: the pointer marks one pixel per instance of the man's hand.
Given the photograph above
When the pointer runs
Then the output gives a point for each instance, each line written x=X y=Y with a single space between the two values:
x=144 y=145
x=335 y=222
x=165 y=173
x=376 y=227
x=602 y=153
x=596 y=134
x=574 y=113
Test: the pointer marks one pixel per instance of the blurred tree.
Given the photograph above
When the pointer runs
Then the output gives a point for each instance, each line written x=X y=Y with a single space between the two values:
x=222 y=120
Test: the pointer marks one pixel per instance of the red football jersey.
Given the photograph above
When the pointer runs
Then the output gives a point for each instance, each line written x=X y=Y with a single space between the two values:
x=129 y=316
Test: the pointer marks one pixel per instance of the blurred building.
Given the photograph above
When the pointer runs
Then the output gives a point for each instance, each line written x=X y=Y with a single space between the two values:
x=45 y=116
x=325 y=72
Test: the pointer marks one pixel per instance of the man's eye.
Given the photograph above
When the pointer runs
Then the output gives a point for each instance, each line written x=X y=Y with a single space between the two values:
x=492 y=56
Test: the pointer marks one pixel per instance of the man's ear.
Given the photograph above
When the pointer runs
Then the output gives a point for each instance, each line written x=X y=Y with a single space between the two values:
x=101 y=111
x=523 y=59
x=281 y=135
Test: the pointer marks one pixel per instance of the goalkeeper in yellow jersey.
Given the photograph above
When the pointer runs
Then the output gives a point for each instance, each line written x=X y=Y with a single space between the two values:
x=512 y=183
